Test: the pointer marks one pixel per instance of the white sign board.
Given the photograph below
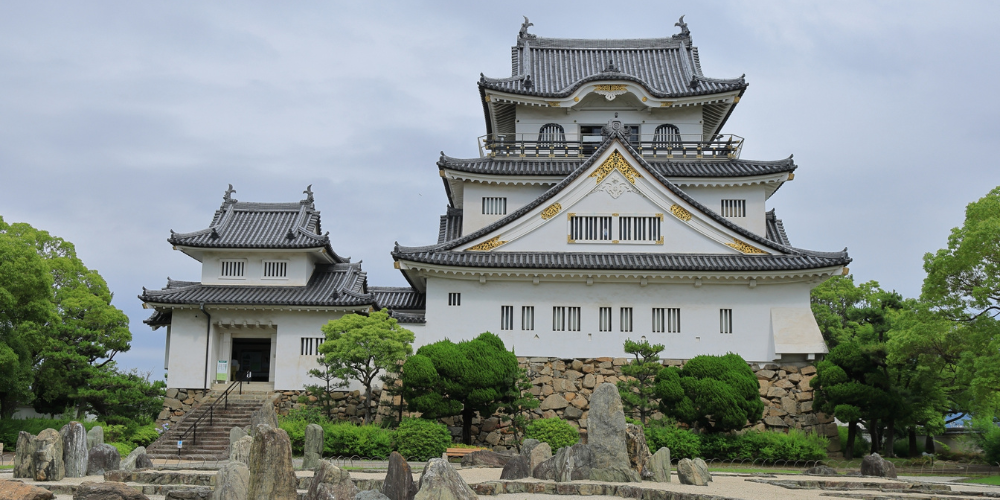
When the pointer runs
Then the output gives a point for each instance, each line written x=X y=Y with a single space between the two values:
x=222 y=370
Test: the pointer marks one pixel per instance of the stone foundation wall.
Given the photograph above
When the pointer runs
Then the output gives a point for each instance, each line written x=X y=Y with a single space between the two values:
x=177 y=403
x=350 y=404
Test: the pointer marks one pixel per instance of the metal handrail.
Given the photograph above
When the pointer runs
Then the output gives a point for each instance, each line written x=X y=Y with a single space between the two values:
x=211 y=413
x=659 y=146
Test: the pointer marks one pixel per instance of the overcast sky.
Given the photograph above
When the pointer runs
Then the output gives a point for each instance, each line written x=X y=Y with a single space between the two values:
x=120 y=121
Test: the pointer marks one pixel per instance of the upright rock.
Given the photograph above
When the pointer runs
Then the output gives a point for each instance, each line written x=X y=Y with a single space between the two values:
x=271 y=474
x=689 y=473
x=574 y=463
x=703 y=468
x=232 y=482
x=441 y=482
x=95 y=436
x=875 y=465
x=516 y=468
x=16 y=490
x=137 y=460
x=101 y=459
x=398 y=483
x=235 y=434
x=47 y=456
x=265 y=415
x=659 y=466
x=313 y=446
x=539 y=454
x=331 y=483
x=606 y=434
x=74 y=440
x=240 y=450
x=545 y=470
x=528 y=445
x=638 y=453
x=108 y=490
x=22 y=456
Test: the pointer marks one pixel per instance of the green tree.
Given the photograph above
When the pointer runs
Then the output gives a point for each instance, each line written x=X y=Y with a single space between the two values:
x=324 y=392
x=963 y=285
x=360 y=347
x=638 y=390
x=123 y=395
x=516 y=406
x=444 y=379
x=714 y=393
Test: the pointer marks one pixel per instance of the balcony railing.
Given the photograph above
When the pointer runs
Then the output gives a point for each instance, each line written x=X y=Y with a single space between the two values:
x=650 y=146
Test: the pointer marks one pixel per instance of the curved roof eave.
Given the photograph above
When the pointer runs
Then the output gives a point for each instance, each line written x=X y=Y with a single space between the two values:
x=493 y=84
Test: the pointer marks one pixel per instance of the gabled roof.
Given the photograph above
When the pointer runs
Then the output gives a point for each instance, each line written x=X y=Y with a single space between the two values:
x=555 y=67
x=243 y=225
x=405 y=298
x=775 y=229
x=330 y=285
x=673 y=168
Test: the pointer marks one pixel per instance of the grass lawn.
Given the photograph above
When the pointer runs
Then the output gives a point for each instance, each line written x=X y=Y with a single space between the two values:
x=994 y=480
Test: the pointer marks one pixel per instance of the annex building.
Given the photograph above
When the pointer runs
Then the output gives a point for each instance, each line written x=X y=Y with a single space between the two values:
x=606 y=203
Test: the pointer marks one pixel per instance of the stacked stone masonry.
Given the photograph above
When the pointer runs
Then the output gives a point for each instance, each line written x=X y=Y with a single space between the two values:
x=177 y=403
x=564 y=387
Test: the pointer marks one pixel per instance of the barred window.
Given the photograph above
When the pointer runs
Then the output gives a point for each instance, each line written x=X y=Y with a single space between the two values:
x=494 y=206
x=528 y=317
x=734 y=208
x=666 y=135
x=506 y=317
x=233 y=268
x=275 y=269
x=605 y=318
x=558 y=319
x=659 y=317
x=309 y=346
x=590 y=228
x=725 y=321
x=674 y=320
x=573 y=319
x=454 y=299
x=625 y=320
x=638 y=228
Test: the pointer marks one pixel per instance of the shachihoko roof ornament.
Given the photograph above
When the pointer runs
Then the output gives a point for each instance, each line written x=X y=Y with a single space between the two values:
x=685 y=32
x=228 y=197
x=523 y=34
x=309 y=195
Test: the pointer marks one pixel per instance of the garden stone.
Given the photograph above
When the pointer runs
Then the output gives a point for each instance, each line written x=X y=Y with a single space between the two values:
x=47 y=456
x=240 y=450
x=265 y=415
x=74 y=438
x=108 y=490
x=331 y=483
x=370 y=495
x=528 y=445
x=821 y=470
x=518 y=467
x=137 y=460
x=22 y=456
x=545 y=470
x=398 y=483
x=101 y=459
x=235 y=434
x=606 y=434
x=689 y=473
x=232 y=482
x=703 y=467
x=271 y=474
x=638 y=453
x=485 y=458
x=313 y=447
x=659 y=465
x=875 y=465
x=95 y=436
x=573 y=463
x=16 y=490
x=539 y=454
x=440 y=481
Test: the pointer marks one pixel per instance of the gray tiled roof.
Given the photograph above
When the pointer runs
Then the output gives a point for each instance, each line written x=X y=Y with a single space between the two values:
x=159 y=318
x=408 y=317
x=330 y=285
x=555 y=67
x=676 y=168
x=775 y=229
x=628 y=261
x=260 y=226
x=451 y=225
x=406 y=298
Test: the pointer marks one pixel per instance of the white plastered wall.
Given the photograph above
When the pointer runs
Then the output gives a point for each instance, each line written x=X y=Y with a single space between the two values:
x=300 y=268
x=596 y=110
x=755 y=196
x=472 y=213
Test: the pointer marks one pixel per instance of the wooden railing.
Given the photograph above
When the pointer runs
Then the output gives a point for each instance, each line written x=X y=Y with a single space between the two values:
x=653 y=147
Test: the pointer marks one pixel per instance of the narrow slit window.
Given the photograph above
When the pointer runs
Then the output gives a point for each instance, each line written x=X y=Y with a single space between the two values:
x=494 y=206
x=638 y=228
x=725 y=321
x=558 y=319
x=659 y=320
x=454 y=299
x=528 y=317
x=275 y=269
x=309 y=346
x=605 y=319
x=673 y=320
x=233 y=268
x=506 y=317
x=590 y=228
x=734 y=208
x=573 y=319
x=625 y=320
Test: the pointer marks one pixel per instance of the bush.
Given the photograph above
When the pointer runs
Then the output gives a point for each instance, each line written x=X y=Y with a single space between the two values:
x=681 y=442
x=714 y=393
x=987 y=436
x=346 y=439
x=10 y=427
x=144 y=436
x=750 y=445
x=420 y=439
x=123 y=448
x=555 y=431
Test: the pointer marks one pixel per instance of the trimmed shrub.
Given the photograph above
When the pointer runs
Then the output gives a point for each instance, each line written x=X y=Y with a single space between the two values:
x=346 y=439
x=682 y=442
x=555 y=431
x=420 y=439
x=750 y=445
x=714 y=393
x=10 y=427
x=144 y=436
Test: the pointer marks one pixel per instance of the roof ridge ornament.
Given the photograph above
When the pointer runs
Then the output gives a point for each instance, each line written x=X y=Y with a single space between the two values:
x=611 y=68
x=523 y=34
x=228 y=197
x=291 y=234
x=615 y=126
x=309 y=195
x=685 y=32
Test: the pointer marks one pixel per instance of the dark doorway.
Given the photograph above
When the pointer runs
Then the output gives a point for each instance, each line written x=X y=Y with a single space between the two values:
x=251 y=360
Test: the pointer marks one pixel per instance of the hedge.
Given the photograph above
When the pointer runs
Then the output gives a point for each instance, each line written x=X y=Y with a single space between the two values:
x=750 y=445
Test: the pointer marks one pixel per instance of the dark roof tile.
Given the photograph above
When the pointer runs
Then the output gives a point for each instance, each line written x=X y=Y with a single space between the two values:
x=677 y=168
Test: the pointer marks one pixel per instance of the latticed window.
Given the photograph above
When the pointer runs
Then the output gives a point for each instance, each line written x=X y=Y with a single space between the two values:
x=494 y=206
x=590 y=228
x=625 y=322
x=275 y=269
x=725 y=321
x=454 y=299
x=734 y=208
x=605 y=319
x=666 y=320
x=506 y=317
x=528 y=317
x=559 y=319
x=667 y=136
x=638 y=228
x=309 y=346
x=551 y=134
x=573 y=319
x=233 y=268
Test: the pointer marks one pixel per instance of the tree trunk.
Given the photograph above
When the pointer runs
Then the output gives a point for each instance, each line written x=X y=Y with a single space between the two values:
x=873 y=434
x=911 y=435
x=852 y=434
x=890 y=439
x=929 y=444
x=467 y=414
x=368 y=403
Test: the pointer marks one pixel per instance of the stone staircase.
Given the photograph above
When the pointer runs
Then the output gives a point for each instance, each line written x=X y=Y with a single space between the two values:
x=213 y=440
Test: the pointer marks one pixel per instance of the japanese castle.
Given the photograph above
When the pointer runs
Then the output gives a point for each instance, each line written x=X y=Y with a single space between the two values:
x=606 y=203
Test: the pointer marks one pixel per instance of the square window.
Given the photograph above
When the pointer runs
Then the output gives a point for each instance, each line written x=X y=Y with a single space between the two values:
x=454 y=299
